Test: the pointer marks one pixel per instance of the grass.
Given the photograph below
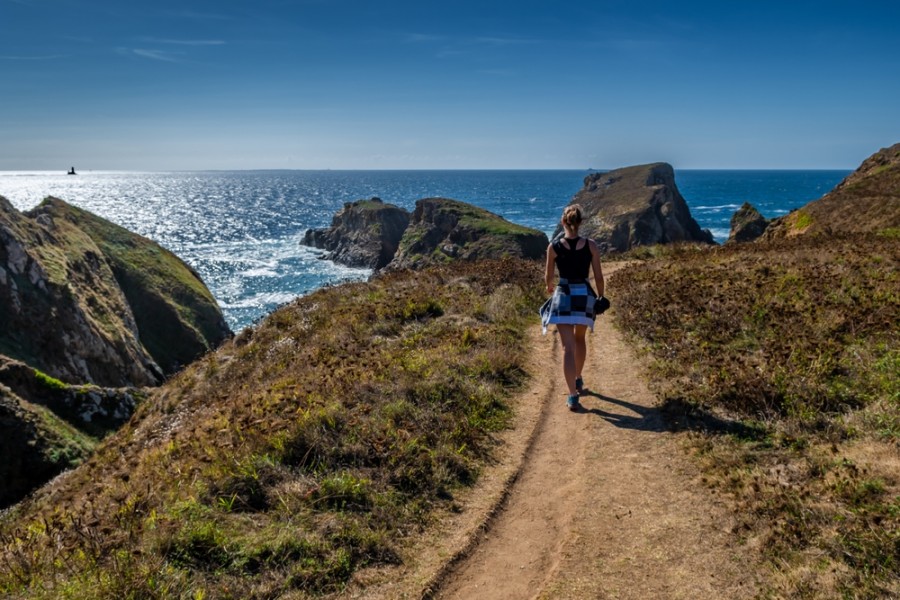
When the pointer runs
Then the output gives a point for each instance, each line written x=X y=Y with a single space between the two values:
x=309 y=449
x=176 y=314
x=473 y=232
x=781 y=360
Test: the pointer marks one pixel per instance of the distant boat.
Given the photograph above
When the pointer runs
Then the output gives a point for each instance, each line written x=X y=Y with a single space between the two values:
x=72 y=171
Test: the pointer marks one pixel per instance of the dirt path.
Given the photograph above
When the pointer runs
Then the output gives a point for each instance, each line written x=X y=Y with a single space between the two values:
x=605 y=504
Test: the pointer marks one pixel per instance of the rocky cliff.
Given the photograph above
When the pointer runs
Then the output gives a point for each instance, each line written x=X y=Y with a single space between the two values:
x=747 y=224
x=868 y=200
x=88 y=312
x=87 y=301
x=636 y=206
x=443 y=230
x=47 y=426
x=365 y=233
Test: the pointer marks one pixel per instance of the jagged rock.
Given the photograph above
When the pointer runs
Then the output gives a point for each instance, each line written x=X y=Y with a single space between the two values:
x=87 y=301
x=365 y=233
x=867 y=200
x=442 y=230
x=35 y=446
x=636 y=206
x=747 y=224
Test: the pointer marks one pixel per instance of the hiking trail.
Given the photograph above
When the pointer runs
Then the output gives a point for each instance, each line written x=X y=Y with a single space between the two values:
x=604 y=502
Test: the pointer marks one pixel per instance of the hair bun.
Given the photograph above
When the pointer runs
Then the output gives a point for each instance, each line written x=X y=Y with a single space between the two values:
x=572 y=215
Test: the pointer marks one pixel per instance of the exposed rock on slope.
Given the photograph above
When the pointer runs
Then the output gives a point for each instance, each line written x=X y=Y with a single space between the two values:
x=636 y=206
x=443 y=230
x=84 y=301
x=868 y=200
x=364 y=233
x=88 y=301
x=35 y=445
x=47 y=426
x=747 y=224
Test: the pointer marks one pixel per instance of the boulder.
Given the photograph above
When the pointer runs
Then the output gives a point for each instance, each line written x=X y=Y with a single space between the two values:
x=747 y=224
x=636 y=206
x=365 y=233
x=867 y=200
x=443 y=230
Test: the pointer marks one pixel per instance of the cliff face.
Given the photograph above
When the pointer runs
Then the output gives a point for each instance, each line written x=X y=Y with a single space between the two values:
x=868 y=200
x=47 y=426
x=443 y=230
x=365 y=233
x=90 y=302
x=84 y=304
x=747 y=224
x=636 y=206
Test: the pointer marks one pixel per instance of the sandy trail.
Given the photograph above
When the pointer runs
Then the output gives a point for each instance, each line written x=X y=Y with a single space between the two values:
x=605 y=505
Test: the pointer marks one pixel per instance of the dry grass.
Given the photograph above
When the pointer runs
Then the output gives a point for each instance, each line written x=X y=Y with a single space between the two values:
x=783 y=361
x=306 y=450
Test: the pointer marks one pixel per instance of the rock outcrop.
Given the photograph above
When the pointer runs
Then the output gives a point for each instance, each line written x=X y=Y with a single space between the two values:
x=867 y=200
x=747 y=224
x=47 y=426
x=90 y=312
x=443 y=230
x=636 y=206
x=365 y=233
x=87 y=301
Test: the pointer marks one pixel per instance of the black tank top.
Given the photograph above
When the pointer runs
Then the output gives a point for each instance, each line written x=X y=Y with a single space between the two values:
x=573 y=264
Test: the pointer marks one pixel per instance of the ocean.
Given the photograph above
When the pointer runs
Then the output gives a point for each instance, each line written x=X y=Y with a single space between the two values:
x=241 y=230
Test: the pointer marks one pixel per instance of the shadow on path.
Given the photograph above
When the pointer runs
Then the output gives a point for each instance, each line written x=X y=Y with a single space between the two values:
x=643 y=418
x=672 y=415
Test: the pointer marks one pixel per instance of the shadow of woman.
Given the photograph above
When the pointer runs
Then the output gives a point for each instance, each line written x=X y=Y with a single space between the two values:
x=642 y=418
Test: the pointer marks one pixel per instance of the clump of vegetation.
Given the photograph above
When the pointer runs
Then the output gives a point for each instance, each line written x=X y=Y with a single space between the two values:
x=309 y=448
x=783 y=361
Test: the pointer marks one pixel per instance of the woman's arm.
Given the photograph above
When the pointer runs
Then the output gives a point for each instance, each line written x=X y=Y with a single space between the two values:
x=548 y=271
x=598 y=271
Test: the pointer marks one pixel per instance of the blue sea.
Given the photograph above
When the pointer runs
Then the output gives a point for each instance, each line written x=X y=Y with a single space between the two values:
x=241 y=230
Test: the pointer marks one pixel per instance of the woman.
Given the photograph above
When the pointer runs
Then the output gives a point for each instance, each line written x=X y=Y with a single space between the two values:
x=574 y=304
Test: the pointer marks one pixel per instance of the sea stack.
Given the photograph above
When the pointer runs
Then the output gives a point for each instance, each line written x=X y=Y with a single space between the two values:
x=636 y=206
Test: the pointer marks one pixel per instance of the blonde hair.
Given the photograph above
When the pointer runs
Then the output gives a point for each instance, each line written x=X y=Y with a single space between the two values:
x=571 y=216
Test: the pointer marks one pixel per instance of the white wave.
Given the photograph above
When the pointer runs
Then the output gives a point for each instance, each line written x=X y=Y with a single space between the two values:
x=262 y=272
x=717 y=207
x=261 y=299
x=720 y=235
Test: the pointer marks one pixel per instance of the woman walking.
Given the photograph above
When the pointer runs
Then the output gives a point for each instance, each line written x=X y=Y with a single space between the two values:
x=574 y=304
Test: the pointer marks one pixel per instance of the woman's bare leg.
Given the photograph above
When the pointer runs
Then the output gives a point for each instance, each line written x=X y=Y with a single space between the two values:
x=567 y=337
x=580 y=348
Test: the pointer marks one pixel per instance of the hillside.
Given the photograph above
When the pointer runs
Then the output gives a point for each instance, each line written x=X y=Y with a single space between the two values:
x=442 y=230
x=868 y=200
x=782 y=359
x=300 y=457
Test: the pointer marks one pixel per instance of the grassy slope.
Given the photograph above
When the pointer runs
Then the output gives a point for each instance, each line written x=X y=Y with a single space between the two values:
x=169 y=300
x=303 y=451
x=784 y=359
x=480 y=232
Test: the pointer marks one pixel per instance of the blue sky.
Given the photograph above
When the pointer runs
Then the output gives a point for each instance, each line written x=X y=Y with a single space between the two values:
x=350 y=84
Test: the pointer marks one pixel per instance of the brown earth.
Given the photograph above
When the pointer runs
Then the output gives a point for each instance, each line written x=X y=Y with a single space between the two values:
x=602 y=503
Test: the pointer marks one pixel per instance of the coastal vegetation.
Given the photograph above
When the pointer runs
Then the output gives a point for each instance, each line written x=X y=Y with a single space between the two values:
x=781 y=361
x=301 y=457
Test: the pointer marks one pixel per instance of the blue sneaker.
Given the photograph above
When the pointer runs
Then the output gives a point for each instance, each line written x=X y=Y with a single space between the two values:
x=579 y=385
x=572 y=403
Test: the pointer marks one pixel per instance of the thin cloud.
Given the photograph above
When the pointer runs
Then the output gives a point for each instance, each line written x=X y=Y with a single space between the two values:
x=200 y=16
x=44 y=57
x=184 y=42
x=422 y=38
x=162 y=55
x=504 y=41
